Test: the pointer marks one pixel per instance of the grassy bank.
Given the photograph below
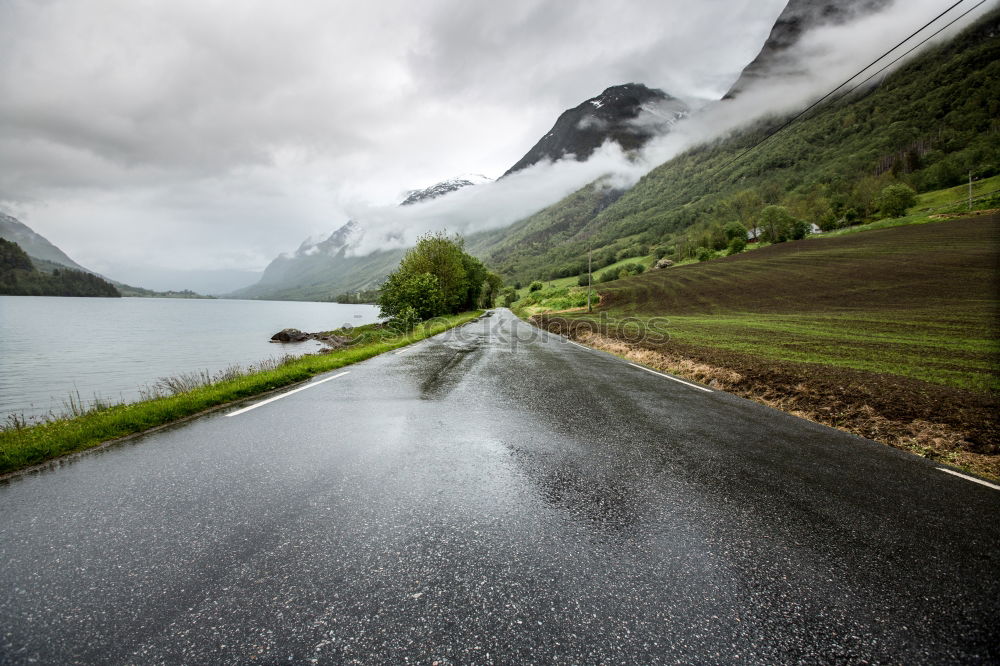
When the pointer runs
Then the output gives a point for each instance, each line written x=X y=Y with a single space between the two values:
x=25 y=445
x=891 y=333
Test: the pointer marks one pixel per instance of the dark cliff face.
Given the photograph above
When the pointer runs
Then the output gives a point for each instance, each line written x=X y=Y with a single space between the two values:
x=629 y=114
x=798 y=18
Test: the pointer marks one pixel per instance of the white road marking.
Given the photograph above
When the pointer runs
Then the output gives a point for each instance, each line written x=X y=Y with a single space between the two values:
x=969 y=478
x=578 y=345
x=679 y=381
x=285 y=395
x=399 y=352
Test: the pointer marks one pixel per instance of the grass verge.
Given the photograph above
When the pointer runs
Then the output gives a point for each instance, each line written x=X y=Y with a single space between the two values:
x=24 y=445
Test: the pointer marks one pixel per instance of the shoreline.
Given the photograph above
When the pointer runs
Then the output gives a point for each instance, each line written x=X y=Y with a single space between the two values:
x=50 y=443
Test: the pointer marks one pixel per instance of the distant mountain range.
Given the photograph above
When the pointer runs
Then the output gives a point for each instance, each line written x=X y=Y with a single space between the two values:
x=324 y=269
x=49 y=259
x=36 y=245
x=443 y=188
x=628 y=115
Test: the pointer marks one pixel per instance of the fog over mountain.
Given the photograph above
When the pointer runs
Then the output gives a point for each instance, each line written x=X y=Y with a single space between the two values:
x=209 y=136
x=187 y=136
x=826 y=54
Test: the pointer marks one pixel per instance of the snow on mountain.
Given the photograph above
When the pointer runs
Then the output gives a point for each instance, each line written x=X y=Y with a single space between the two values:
x=444 y=187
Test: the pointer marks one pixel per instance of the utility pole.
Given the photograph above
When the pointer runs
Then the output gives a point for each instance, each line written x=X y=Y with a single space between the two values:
x=590 y=275
x=970 y=189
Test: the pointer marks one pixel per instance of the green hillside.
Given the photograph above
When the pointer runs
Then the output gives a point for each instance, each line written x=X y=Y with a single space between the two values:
x=19 y=277
x=927 y=125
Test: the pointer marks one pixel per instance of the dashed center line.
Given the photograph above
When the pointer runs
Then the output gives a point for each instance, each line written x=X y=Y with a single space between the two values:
x=969 y=478
x=673 y=379
x=285 y=395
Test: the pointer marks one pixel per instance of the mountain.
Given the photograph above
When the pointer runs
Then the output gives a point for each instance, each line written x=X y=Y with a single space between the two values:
x=926 y=125
x=321 y=270
x=50 y=260
x=629 y=114
x=444 y=187
x=797 y=19
x=20 y=277
x=34 y=244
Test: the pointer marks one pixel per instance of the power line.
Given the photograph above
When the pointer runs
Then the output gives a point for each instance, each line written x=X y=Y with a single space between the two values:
x=932 y=36
x=829 y=94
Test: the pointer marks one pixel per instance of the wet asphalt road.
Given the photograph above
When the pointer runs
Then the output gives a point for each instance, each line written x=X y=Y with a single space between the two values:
x=478 y=499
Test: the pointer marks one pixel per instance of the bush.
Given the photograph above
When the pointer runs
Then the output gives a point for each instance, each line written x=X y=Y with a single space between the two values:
x=535 y=286
x=583 y=280
x=406 y=319
x=895 y=199
x=799 y=230
x=735 y=230
x=737 y=245
x=703 y=254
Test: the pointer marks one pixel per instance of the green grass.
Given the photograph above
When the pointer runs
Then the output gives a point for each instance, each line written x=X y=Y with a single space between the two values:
x=955 y=195
x=573 y=280
x=908 y=344
x=25 y=445
x=552 y=299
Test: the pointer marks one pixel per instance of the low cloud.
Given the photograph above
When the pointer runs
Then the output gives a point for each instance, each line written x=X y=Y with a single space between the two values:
x=188 y=135
x=822 y=63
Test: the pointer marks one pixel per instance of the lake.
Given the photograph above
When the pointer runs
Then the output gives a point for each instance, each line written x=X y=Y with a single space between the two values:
x=111 y=348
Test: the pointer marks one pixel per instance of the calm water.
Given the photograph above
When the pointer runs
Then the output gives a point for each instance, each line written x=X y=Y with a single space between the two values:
x=111 y=347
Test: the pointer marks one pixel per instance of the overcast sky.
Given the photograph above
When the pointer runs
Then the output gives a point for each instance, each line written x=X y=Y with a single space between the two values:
x=208 y=134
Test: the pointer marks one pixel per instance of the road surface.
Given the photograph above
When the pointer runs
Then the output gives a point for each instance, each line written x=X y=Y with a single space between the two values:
x=496 y=495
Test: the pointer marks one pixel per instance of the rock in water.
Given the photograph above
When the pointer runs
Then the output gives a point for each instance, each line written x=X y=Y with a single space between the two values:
x=289 y=335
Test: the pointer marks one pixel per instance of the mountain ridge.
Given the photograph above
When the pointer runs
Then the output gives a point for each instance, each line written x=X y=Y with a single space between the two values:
x=629 y=114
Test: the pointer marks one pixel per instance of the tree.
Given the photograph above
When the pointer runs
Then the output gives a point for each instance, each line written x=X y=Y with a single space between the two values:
x=745 y=205
x=895 y=199
x=475 y=281
x=735 y=230
x=410 y=295
x=436 y=277
x=491 y=289
x=777 y=223
x=535 y=286
x=442 y=257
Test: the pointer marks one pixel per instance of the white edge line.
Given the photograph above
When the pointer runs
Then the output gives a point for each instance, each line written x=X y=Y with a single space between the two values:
x=969 y=478
x=578 y=345
x=679 y=381
x=285 y=395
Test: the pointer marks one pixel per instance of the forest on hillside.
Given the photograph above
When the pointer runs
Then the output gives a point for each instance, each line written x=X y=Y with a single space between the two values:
x=19 y=277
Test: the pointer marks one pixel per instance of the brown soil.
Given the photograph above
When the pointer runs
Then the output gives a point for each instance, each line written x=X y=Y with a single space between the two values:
x=952 y=425
x=955 y=265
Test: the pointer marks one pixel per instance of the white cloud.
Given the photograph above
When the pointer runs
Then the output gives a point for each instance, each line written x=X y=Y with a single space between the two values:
x=190 y=134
